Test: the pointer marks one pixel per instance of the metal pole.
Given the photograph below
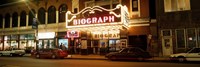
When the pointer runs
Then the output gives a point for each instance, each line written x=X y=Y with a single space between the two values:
x=36 y=38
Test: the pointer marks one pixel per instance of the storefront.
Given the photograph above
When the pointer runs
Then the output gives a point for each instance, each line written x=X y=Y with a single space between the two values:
x=11 y=41
x=96 y=30
x=22 y=41
x=27 y=41
x=46 y=40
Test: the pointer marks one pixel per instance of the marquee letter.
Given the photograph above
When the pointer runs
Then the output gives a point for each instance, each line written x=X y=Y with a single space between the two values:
x=105 y=18
x=111 y=18
x=94 y=20
x=74 y=22
x=100 y=20
x=83 y=21
x=89 y=21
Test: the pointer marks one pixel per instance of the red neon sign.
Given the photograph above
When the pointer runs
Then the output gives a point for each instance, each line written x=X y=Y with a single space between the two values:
x=73 y=34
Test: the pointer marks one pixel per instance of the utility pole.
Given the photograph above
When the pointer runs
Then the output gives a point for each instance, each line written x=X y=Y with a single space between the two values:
x=35 y=26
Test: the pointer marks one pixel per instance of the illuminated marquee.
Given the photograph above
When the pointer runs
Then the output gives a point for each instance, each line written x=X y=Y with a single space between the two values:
x=94 y=20
x=96 y=15
x=112 y=34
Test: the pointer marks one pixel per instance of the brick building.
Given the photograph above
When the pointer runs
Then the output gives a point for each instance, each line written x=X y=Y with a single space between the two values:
x=178 y=25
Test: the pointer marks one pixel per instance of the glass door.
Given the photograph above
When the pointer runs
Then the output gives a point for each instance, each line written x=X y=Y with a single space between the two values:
x=114 y=45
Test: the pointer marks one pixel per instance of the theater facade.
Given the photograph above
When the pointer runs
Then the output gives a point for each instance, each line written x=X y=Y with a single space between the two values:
x=98 y=30
x=79 y=26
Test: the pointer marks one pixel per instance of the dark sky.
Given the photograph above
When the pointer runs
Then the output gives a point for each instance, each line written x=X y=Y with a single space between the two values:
x=7 y=1
x=4 y=2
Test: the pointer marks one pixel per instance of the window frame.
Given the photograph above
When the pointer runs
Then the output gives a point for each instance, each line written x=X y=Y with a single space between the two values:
x=174 y=6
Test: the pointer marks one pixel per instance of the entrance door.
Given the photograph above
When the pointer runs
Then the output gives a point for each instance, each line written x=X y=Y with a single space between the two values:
x=95 y=44
x=167 y=46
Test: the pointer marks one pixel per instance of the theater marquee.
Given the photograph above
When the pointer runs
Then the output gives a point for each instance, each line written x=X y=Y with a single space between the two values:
x=98 y=16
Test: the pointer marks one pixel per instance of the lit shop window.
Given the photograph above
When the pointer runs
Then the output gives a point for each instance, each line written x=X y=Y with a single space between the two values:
x=176 y=5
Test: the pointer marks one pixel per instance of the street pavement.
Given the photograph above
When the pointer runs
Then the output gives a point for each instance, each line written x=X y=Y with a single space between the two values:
x=102 y=57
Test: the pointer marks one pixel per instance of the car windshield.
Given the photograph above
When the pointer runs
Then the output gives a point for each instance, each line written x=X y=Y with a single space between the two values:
x=124 y=50
x=195 y=50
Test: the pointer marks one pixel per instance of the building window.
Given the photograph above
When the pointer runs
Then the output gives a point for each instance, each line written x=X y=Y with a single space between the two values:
x=75 y=10
x=166 y=33
x=62 y=10
x=23 y=18
x=52 y=15
x=176 y=5
x=180 y=38
x=7 y=21
x=1 y=21
x=191 y=38
x=134 y=5
x=15 y=20
x=41 y=15
x=31 y=16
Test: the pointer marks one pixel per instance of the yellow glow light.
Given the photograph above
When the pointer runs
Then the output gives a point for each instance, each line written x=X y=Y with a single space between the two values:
x=46 y=35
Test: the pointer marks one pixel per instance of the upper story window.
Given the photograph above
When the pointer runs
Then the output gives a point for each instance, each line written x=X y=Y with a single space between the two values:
x=52 y=15
x=15 y=20
x=23 y=18
x=62 y=10
x=7 y=20
x=31 y=16
x=176 y=5
x=41 y=16
x=134 y=5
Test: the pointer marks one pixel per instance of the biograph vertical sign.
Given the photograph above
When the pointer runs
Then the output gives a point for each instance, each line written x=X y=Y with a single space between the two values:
x=97 y=16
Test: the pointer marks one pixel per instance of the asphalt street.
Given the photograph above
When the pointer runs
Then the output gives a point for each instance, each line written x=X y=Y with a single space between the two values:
x=32 y=62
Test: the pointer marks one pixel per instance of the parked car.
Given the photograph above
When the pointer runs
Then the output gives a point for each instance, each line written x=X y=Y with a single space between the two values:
x=130 y=53
x=49 y=53
x=12 y=52
x=191 y=55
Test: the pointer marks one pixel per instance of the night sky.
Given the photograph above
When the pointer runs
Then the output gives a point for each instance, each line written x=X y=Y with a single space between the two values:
x=6 y=1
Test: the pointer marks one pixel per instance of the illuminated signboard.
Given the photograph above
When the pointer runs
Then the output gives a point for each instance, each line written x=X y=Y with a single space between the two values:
x=94 y=20
x=73 y=34
x=112 y=34
x=96 y=15
x=46 y=35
